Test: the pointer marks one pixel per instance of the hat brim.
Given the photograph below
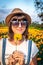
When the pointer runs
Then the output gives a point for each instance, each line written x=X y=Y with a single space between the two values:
x=8 y=18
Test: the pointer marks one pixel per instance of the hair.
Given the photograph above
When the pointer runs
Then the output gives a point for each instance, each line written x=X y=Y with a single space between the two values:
x=11 y=33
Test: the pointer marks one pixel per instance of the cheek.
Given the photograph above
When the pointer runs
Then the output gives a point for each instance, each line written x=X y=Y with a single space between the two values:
x=24 y=29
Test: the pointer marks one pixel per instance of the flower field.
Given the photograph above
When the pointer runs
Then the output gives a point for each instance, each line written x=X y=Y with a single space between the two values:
x=37 y=36
x=34 y=34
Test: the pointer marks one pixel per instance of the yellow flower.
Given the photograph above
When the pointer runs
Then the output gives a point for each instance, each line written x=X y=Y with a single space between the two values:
x=17 y=36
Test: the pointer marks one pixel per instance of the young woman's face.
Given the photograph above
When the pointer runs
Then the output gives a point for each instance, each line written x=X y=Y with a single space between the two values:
x=18 y=26
x=19 y=29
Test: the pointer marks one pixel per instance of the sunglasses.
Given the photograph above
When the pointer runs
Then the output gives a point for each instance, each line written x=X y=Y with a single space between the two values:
x=16 y=22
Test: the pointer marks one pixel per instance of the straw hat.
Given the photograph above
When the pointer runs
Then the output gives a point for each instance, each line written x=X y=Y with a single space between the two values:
x=17 y=11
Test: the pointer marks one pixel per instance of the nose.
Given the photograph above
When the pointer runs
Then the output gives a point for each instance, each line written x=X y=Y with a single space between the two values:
x=19 y=24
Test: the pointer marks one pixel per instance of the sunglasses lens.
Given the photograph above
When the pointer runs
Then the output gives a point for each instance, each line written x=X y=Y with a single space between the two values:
x=15 y=24
x=23 y=24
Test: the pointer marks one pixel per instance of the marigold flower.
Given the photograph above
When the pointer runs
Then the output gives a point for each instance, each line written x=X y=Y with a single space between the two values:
x=17 y=36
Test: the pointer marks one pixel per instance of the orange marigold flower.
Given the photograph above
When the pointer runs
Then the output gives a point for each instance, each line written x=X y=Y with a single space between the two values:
x=17 y=36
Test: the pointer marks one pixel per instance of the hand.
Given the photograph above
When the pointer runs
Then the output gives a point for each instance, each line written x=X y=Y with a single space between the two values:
x=11 y=60
x=19 y=57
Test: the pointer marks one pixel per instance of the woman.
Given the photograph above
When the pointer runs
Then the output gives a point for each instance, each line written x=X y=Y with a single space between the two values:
x=16 y=50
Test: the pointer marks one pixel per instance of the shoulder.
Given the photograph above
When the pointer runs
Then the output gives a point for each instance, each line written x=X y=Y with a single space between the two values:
x=1 y=41
x=33 y=43
x=30 y=41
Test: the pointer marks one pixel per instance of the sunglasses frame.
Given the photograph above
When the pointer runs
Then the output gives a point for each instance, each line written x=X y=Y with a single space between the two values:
x=17 y=22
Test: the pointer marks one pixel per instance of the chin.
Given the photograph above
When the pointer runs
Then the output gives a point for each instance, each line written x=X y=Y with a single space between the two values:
x=19 y=33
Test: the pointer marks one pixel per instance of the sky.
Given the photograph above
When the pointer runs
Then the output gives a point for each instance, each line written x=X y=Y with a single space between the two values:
x=6 y=6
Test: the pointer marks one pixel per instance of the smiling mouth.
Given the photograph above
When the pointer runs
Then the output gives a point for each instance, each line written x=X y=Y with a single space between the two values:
x=19 y=29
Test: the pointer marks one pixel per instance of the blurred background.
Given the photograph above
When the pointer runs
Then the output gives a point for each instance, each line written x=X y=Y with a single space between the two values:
x=32 y=7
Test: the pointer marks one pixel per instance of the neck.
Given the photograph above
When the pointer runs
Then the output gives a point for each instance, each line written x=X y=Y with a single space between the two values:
x=18 y=42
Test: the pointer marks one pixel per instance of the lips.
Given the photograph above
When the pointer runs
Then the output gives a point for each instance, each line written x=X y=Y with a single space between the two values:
x=19 y=29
